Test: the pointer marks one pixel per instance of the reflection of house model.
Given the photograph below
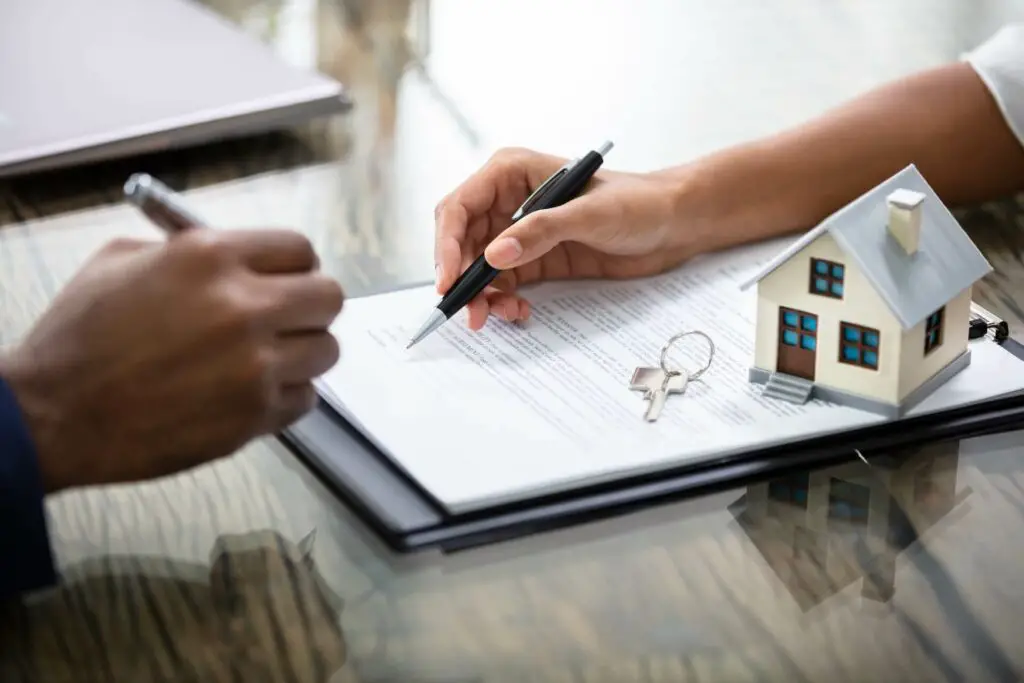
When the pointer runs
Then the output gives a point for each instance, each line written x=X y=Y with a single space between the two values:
x=872 y=307
x=822 y=531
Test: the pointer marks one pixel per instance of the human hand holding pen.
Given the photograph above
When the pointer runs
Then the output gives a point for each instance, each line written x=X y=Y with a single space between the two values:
x=624 y=225
x=158 y=356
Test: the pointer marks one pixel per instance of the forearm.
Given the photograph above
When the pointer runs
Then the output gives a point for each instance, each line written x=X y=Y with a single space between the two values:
x=945 y=121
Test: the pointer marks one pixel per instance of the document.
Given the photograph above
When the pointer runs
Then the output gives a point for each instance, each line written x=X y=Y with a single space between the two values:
x=520 y=409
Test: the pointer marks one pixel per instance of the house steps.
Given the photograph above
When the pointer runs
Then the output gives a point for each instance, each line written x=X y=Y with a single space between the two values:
x=785 y=387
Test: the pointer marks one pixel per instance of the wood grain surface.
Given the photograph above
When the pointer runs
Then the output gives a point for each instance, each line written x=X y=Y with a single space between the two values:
x=250 y=570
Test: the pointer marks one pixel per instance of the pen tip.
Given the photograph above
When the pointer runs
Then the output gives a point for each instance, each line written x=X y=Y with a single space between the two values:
x=605 y=148
x=433 y=322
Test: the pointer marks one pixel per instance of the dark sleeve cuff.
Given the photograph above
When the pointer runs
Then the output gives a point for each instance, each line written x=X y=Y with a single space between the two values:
x=26 y=559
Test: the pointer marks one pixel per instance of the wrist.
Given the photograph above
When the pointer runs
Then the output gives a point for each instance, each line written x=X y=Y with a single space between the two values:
x=40 y=417
x=738 y=195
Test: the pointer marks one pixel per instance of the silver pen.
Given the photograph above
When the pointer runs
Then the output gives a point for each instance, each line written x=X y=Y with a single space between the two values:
x=160 y=204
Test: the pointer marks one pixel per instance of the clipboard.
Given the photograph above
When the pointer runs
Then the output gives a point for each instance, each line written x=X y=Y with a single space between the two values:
x=406 y=517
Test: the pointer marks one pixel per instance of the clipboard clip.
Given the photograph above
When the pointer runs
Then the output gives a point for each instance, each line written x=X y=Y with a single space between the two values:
x=979 y=327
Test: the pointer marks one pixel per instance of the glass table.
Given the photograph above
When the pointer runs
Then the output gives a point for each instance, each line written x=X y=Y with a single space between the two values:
x=250 y=569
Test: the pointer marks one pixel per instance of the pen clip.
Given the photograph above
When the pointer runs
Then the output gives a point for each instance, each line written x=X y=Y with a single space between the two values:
x=536 y=194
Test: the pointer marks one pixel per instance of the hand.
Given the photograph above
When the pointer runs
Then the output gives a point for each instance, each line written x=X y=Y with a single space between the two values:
x=159 y=356
x=622 y=226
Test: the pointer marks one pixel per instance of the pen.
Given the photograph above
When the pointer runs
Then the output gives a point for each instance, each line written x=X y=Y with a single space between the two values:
x=160 y=204
x=562 y=186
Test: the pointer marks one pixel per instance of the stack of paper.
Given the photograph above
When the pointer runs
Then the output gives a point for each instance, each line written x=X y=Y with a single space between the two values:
x=515 y=410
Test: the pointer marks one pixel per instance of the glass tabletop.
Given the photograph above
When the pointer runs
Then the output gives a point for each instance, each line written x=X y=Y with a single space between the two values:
x=904 y=567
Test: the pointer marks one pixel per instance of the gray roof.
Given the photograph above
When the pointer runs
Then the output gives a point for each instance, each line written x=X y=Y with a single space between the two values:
x=912 y=285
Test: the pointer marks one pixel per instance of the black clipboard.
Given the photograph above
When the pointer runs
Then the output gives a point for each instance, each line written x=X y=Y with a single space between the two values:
x=408 y=518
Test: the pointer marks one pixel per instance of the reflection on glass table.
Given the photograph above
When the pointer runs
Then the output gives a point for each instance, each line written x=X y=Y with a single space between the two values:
x=822 y=531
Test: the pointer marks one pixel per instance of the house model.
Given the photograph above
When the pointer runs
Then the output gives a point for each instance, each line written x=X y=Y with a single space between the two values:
x=871 y=308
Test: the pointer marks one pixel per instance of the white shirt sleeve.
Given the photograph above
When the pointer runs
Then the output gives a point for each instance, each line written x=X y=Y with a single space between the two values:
x=999 y=62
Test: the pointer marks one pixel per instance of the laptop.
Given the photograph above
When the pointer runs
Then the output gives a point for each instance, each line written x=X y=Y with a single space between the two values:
x=87 y=81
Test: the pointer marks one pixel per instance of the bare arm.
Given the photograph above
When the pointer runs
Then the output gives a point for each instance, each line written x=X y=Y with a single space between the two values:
x=945 y=121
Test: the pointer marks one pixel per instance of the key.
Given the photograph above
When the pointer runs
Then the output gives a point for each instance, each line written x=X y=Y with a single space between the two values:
x=657 y=385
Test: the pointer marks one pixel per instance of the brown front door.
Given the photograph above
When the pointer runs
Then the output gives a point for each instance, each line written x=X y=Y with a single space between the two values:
x=798 y=343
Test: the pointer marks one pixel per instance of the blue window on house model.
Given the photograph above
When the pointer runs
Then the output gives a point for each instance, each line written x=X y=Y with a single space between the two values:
x=933 y=330
x=858 y=345
x=828 y=278
x=799 y=329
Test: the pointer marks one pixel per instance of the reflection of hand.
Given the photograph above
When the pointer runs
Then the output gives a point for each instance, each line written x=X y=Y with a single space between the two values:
x=247 y=612
x=621 y=227
x=157 y=357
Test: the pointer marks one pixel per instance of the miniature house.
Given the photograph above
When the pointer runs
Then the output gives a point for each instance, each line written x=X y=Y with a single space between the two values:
x=872 y=307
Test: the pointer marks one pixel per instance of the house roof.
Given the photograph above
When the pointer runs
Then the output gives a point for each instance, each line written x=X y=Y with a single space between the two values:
x=912 y=285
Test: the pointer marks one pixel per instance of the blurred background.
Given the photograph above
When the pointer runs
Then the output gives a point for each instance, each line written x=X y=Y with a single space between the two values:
x=439 y=85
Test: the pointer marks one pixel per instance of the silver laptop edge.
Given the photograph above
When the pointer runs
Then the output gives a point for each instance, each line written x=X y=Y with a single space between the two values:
x=178 y=132
x=118 y=78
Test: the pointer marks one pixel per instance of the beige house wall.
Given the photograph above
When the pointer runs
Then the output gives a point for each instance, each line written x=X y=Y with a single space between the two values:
x=789 y=286
x=915 y=367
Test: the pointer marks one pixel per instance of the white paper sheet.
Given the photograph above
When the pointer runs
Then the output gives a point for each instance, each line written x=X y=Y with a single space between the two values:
x=516 y=410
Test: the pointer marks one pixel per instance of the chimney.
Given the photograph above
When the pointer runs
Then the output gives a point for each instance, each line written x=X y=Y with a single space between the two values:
x=905 y=218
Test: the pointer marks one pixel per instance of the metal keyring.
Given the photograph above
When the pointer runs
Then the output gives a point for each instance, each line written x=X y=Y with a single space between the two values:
x=673 y=340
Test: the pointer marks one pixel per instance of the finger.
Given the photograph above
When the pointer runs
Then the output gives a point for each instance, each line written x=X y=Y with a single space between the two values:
x=263 y=251
x=502 y=183
x=492 y=301
x=300 y=358
x=458 y=233
x=464 y=252
x=451 y=228
x=125 y=245
x=505 y=281
x=533 y=236
x=477 y=311
x=278 y=251
x=114 y=254
x=508 y=306
x=308 y=302
x=447 y=256
x=478 y=193
x=294 y=401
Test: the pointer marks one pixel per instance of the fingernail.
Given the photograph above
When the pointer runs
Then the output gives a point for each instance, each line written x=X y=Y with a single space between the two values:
x=504 y=251
x=437 y=275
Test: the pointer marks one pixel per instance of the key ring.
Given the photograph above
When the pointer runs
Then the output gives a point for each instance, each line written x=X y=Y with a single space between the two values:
x=672 y=340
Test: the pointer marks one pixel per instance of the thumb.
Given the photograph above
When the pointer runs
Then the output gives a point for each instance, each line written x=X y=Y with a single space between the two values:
x=538 y=233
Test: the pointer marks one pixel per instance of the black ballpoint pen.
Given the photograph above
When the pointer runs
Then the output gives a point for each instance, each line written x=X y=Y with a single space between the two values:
x=562 y=186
